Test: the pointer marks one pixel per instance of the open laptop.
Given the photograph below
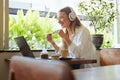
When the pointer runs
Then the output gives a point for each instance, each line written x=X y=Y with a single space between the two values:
x=23 y=46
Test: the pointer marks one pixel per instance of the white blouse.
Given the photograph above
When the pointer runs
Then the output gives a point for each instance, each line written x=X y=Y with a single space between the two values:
x=82 y=46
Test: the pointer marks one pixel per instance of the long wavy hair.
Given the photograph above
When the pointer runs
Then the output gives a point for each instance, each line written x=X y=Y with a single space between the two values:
x=73 y=24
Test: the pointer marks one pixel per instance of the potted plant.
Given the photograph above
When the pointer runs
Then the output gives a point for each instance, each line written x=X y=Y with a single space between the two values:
x=101 y=14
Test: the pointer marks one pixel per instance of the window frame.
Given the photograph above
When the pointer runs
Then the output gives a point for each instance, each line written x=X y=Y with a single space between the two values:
x=117 y=26
x=4 y=26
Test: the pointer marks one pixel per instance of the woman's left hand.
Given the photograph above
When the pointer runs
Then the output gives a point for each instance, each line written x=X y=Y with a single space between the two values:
x=62 y=34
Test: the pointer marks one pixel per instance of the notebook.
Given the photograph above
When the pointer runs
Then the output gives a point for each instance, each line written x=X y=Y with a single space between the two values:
x=23 y=46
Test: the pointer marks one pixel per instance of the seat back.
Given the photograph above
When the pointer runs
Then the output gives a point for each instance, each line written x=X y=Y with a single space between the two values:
x=110 y=56
x=22 y=68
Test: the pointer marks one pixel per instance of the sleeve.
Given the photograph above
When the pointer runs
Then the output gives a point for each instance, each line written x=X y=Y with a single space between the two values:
x=80 y=44
x=58 y=52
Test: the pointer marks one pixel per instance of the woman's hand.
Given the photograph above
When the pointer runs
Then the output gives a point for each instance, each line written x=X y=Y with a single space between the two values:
x=62 y=34
x=49 y=37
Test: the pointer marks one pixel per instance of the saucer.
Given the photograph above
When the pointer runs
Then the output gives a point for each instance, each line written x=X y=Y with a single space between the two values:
x=65 y=58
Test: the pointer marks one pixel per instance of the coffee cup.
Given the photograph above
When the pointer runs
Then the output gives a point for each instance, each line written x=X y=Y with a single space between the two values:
x=44 y=56
x=64 y=53
x=55 y=57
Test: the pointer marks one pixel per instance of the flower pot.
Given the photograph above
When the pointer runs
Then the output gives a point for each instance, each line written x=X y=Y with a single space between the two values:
x=97 y=40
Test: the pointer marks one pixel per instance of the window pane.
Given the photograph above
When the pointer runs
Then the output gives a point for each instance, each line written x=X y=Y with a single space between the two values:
x=25 y=21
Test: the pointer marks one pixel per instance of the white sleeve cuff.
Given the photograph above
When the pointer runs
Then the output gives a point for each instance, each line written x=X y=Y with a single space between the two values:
x=58 y=52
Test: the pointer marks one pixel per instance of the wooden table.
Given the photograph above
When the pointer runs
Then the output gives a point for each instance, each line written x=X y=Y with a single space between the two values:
x=98 y=73
x=80 y=61
x=72 y=61
x=77 y=63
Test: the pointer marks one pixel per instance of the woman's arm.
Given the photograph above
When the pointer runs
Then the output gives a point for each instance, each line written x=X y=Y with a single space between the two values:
x=50 y=39
x=64 y=36
x=54 y=45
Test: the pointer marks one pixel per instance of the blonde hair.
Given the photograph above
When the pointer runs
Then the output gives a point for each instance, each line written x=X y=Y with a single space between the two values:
x=73 y=24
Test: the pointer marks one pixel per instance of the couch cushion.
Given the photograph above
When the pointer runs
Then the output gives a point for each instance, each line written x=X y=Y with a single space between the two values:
x=110 y=56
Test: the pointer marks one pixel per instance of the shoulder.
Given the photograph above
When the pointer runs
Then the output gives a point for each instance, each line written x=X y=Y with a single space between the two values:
x=82 y=29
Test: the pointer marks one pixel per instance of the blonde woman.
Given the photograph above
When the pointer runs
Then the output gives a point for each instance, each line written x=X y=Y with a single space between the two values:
x=75 y=37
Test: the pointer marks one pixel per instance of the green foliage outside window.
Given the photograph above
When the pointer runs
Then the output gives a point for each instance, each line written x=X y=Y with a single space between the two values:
x=101 y=14
x=33 y=27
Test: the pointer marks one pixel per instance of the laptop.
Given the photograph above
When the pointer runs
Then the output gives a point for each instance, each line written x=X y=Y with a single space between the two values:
x=23 y=46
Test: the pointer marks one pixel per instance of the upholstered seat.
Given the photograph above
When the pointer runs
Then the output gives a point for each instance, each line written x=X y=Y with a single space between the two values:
x=22 y=68
x=110 y=56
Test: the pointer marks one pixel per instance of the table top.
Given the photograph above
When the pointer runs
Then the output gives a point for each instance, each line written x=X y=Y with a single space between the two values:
x=98 y=73
x=80 y=61
x=73 y=61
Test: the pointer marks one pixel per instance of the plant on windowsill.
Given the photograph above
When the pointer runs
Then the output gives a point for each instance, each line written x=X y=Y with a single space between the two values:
x=101 y=14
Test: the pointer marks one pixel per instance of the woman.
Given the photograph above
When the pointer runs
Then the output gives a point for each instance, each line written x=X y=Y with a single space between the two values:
x=75 y=37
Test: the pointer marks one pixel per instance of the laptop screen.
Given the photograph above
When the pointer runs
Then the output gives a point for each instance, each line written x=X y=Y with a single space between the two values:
x=23 y=46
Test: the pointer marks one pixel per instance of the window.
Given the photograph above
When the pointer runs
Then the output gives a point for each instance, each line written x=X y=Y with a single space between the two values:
x=42 y=6
x=4 y=24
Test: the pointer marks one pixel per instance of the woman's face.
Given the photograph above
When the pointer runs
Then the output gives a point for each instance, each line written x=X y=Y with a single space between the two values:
x=63 y=19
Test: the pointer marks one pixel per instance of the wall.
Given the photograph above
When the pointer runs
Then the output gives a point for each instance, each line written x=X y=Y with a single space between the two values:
x=4 y=66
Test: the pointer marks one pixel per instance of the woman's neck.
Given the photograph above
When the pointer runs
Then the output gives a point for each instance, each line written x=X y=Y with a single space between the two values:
x=69 y=31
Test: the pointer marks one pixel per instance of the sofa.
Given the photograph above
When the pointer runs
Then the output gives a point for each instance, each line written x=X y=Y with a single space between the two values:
x=109 y=56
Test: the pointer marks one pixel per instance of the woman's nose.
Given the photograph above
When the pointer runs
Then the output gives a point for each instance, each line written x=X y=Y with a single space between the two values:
x=60 y=20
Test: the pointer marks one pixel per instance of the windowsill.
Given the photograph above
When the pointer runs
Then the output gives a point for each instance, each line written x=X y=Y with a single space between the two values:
x=19 y=50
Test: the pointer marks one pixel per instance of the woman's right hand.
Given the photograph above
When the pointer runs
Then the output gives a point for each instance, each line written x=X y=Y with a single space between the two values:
x=49 y=37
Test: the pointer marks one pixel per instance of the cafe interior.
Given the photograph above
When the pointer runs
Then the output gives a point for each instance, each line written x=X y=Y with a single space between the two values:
x=26 y=55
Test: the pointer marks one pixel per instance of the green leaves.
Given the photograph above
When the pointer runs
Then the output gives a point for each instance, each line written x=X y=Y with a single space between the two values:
x=33 y=27
x=100 y=12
